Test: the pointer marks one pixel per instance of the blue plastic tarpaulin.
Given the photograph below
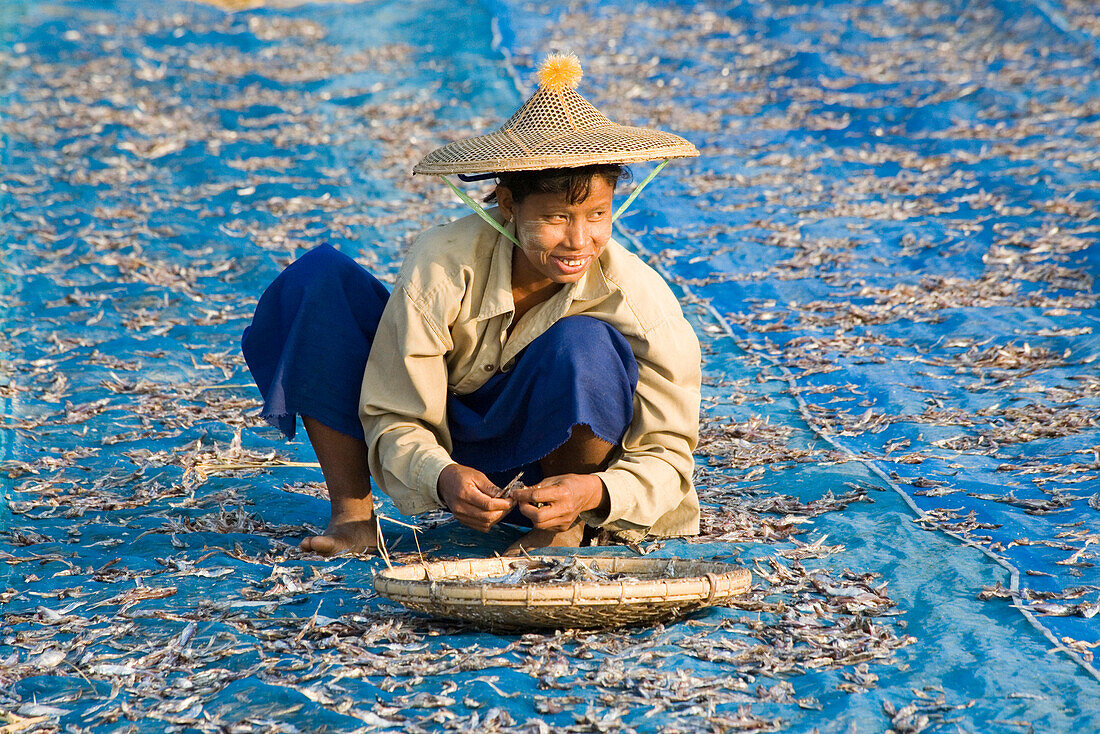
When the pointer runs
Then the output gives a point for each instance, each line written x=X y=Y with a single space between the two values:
x=888 y=248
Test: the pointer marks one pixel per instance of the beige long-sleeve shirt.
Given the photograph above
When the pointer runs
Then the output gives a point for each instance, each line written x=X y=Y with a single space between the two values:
x=445 y=330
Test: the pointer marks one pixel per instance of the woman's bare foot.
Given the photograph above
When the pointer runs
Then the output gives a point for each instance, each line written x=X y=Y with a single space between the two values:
x=351 y=526
x=570 y=538
x=344 y=536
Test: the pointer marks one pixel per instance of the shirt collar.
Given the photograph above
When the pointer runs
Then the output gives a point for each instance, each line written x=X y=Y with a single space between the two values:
x=498 y=282
x=593 y=284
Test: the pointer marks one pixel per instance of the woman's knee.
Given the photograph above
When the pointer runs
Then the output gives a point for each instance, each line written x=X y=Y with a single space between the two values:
x=324 y=277
x=317 y=270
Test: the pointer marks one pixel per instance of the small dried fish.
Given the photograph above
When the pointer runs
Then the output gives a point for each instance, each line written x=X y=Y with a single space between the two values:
x=506 y=491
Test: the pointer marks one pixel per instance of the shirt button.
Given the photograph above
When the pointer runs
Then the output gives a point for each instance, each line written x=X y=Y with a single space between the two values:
x=489 y=368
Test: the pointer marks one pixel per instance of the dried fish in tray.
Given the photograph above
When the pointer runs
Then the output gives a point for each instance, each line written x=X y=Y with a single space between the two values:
x=558 y=571
x=533 y=593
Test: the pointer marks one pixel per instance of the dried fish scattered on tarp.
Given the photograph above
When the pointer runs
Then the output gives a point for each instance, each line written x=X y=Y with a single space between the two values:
x=926 y=712
x=126 y=379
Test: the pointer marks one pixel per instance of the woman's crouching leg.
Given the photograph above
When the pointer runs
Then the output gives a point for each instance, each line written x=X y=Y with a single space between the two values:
x=586 y=373
x=306 y=348
x=580 y=372
x=583 y=453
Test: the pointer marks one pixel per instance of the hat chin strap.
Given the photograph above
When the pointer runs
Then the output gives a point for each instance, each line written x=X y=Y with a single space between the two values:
x=634 y=194
x=480 y=210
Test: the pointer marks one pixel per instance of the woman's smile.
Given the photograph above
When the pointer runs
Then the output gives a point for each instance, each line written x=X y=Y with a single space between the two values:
x=570 y=264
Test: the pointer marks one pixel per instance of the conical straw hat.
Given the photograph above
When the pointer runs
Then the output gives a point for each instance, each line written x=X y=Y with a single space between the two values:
x=555 y=128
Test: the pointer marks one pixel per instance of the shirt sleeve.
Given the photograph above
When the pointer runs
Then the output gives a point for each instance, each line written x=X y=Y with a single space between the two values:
x=403 y=402
x=653 y=474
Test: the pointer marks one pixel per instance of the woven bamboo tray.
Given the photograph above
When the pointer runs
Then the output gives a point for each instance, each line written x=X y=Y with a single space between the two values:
x=662 y=589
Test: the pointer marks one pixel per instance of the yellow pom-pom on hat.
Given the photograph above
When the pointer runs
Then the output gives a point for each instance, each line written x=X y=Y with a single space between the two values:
x=560 y=71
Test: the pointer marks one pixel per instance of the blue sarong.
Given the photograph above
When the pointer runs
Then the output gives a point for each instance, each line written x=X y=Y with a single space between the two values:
x=313 y=330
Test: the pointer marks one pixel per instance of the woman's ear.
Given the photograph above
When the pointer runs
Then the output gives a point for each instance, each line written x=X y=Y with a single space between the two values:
x=505 y=202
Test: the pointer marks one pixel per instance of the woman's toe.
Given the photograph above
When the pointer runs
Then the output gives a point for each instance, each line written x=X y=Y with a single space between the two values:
x=321 y=544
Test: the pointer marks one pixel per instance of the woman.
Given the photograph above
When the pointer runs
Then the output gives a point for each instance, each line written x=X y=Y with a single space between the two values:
x=520 y=340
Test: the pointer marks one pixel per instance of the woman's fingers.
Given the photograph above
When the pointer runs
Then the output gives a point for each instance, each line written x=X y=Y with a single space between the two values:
x=547 y=492
x=496 y=512
x=555 y=503
x=482 y=522
x=477 y=498
x=548 y=517
x=479 y=520
x=467 y=492
x=535 y=494
x=471 y=518
x=481 y=511
x=474 y=523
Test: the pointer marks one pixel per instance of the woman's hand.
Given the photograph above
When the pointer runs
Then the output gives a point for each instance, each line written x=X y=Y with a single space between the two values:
x=470 y=495
x=555 y=502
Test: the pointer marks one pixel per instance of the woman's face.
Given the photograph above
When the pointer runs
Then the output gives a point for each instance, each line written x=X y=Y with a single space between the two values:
x=559 y=240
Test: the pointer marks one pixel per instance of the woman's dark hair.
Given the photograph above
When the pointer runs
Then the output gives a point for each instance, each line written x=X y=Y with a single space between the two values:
x=574 y=183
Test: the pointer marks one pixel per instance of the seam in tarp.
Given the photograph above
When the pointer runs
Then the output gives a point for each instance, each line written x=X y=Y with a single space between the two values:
x=1013 y=572
x=1057 y=19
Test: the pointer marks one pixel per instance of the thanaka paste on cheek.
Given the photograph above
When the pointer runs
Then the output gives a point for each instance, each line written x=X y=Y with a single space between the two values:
x=526 y=234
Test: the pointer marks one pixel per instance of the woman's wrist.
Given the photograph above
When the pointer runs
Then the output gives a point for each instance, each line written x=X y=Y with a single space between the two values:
x=444 y=477
x=598 y=500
